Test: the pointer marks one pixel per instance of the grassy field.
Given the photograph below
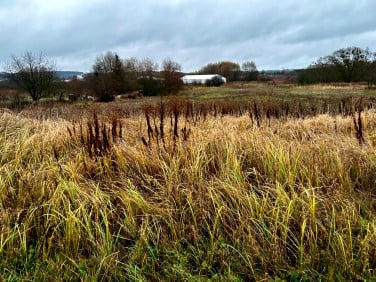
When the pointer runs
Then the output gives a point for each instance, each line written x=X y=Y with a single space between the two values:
x=220 y=184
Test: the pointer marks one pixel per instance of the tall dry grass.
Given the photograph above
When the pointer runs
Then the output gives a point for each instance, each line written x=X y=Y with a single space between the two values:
x=290 y=199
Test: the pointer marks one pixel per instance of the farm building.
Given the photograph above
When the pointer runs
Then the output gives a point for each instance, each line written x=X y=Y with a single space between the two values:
x=200 y=78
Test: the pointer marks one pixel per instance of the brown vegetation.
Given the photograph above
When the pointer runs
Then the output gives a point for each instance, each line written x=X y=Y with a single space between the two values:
x=174 y=189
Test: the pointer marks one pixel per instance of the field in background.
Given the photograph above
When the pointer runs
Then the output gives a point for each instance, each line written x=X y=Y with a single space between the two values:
x=244 y=90
x=311 y=99
x=237 y=183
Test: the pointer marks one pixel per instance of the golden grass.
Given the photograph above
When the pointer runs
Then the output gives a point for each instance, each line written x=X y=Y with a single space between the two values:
x=292 y=199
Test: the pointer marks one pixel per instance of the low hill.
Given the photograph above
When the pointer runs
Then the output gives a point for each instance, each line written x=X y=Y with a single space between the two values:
x=62 y=75
x=3 y=76
x=66 y=75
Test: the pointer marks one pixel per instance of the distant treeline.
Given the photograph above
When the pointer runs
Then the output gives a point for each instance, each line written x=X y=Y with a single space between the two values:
x=112 y=76
x=351 y=64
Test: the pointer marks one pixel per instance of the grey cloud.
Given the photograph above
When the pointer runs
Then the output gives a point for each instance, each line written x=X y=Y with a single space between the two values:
x=273 y=33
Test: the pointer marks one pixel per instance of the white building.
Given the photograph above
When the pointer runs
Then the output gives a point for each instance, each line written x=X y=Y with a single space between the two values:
x=200 y=78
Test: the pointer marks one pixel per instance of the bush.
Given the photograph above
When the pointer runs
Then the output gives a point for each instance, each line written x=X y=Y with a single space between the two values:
x=215 y=81
x=150 y=86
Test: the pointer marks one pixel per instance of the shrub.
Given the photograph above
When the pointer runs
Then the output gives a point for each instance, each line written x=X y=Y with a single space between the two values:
x=215 y=81
x=150 y=86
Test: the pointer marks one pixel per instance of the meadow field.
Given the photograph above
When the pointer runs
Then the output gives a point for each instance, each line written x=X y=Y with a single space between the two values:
x=245 y=182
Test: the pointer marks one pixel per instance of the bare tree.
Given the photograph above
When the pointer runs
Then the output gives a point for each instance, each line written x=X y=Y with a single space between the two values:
x=249 y=66
x=108 y=77
x=132 y=72
x=249 y=71
x=171 y=76
x=147 y=81
x=33 y=73
x=148 y=67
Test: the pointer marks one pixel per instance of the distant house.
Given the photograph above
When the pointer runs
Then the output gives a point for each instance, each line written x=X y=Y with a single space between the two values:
x=200 y=78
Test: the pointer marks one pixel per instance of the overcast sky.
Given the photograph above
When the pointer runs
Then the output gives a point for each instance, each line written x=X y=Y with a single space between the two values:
x=275 y=34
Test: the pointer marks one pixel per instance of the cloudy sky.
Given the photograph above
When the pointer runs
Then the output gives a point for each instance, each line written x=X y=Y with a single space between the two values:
x=275 y=34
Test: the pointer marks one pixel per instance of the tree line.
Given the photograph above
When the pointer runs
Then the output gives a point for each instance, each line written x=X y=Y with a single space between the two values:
x=112 y=75
x=351 y=64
